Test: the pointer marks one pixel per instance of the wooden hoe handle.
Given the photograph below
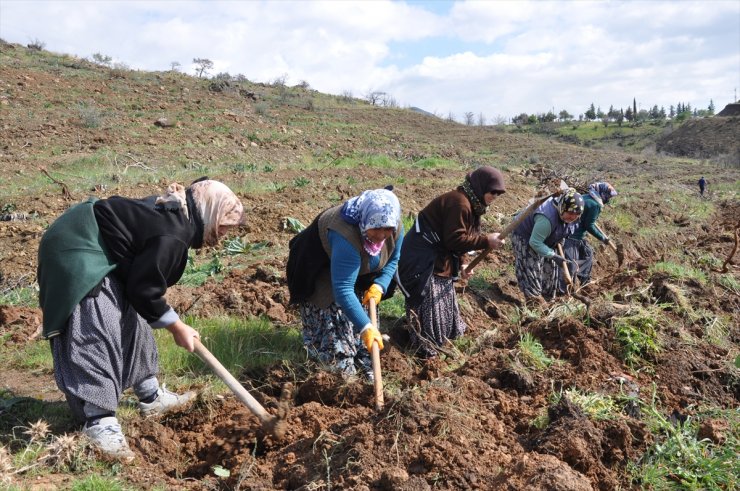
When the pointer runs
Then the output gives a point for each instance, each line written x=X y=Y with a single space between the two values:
x=611 y=242
x=375 y=353
x=239 y=391
x=566 y=271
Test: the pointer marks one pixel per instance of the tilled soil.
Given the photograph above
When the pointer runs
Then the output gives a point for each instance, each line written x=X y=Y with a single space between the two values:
x=457 y=422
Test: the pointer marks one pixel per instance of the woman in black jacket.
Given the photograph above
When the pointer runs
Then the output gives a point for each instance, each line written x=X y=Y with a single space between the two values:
x=432 y=258
x=104 y=267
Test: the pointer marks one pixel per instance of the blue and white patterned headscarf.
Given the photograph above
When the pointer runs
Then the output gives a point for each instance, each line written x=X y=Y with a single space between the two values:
x=602 y=192
x=377 y=208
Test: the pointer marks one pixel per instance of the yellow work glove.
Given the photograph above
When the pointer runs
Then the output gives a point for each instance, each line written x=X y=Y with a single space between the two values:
x=368 y=335
x=375 y=292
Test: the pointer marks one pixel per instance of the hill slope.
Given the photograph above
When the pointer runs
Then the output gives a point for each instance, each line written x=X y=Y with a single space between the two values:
x=484 y=417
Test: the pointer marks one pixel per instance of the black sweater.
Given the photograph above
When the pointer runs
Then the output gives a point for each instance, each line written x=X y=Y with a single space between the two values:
x=150 y=246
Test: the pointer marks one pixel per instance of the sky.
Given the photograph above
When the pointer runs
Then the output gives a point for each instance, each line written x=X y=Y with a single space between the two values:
x=491 y=57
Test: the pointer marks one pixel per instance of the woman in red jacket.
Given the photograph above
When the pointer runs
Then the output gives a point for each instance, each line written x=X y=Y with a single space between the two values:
x=432 y=258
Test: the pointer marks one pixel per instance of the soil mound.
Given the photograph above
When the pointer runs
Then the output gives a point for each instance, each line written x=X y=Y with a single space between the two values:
x=704 y=138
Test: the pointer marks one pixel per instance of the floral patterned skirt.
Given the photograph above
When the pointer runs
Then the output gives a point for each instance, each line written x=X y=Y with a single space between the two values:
x=329 y=338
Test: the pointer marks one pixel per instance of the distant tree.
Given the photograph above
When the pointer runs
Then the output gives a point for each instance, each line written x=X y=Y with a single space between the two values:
x=565 y=115
x=532 y=119
x=389 y=101
x=101 y=59
x=654 y=112
x=36 y=45
x=661 y=113
x=450 y=117
x=481 y=119
x=710 y=108
x=671 y=111
x=469 y=118
x=613 y=113
x=499 y=120
x=202 y=65
x=520 y=120
x=174 y=65
x=590 y=113
x=642 y=115
x=628 y=114
x=620 y=117
x=375 y=97
x=548 y=117
x=600 y=114
x=605 y=120
x=634 y=107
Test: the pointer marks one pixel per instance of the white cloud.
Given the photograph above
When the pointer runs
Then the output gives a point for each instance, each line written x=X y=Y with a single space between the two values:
x=502 y=57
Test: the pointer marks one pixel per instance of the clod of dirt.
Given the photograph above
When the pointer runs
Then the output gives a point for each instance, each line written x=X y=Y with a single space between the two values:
x=278 y=425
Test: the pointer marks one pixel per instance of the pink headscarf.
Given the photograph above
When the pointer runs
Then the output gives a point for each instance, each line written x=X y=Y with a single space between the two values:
x=217 y=204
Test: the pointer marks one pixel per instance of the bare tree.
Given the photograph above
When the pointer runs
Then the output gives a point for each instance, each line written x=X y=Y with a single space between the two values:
x=174 y=65
x=481 y=119
x=450 y=117
x=375 y=97
x=469 y=118
x=36 y=45
x=203 y=64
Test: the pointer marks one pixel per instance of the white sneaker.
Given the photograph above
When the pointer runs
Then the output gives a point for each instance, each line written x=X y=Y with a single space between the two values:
x=107 y=436
x=165 y=402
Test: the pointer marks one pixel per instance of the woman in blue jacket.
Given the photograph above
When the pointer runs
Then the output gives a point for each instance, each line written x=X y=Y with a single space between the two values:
x=347 y=256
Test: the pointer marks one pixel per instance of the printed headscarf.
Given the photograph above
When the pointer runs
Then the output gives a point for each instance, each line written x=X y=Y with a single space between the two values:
x=570 y=201
x=602 y=192
x=215 y=202
x=376 y=208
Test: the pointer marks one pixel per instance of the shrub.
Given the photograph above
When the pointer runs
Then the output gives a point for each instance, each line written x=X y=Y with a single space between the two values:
x=36 y=45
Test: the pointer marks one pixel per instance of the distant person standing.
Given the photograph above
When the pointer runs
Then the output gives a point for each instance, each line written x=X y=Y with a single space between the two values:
x=702 y=185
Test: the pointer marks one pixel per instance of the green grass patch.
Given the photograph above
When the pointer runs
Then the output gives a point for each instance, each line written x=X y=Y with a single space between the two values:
x=239 y=345
x=25 y=296
x=394 y=307
x=532 y=354
x=596 y=406
x=679 y=271
x=624 y=220
x=729 y=282
x=637 y=336
x=681 y=459
x=35 y=355
x=94 y=482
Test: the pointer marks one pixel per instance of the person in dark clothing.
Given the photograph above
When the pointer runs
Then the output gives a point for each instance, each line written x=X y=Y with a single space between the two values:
x=536 y=263
x=702 y=185
x=576 y=249
x=103 y=269
x=349 y=252
x=432 y=258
